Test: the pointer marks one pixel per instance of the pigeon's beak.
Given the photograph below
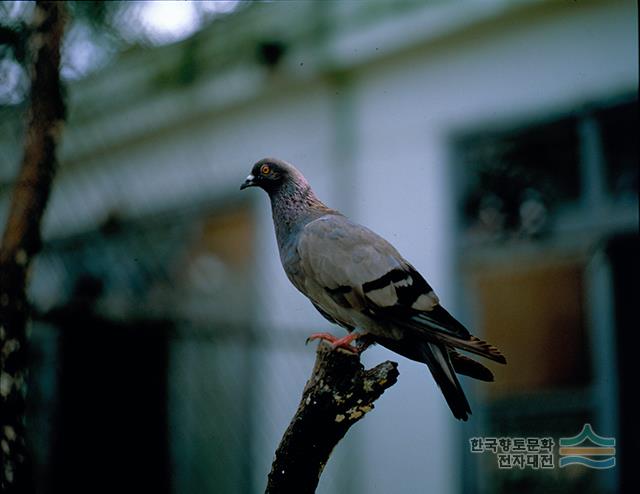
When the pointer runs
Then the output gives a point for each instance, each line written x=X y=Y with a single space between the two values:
x=249 y=182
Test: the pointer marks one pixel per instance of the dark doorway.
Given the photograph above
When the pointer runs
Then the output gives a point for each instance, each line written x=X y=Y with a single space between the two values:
x=111 y=431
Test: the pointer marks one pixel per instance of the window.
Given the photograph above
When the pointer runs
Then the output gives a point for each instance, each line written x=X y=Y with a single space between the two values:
x=538 y=206
x=521 y=181
x=545 y=305
x=516 y=176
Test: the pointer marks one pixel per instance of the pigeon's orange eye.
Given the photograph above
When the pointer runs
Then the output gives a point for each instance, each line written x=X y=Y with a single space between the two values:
x=265 y=169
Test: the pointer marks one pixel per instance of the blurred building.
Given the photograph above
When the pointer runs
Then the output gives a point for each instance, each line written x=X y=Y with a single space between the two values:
x=494 y=143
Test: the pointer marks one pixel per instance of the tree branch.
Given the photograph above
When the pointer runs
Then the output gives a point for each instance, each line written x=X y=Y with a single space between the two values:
x=21 y=239
x=338 y=394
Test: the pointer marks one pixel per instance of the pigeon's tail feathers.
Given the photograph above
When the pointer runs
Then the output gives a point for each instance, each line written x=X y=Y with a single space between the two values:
x=469 y=367
x=437 y=359
x=477 y=346
x=437 y=325
x=444 y=332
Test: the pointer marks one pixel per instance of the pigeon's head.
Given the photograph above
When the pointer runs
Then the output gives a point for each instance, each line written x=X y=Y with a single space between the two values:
x=271 y=174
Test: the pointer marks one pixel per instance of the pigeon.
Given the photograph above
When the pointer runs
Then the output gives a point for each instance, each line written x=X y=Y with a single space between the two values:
x=356 y=279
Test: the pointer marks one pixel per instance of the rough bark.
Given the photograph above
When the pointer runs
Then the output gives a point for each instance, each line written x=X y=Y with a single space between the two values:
x=21 y=239
x=339 y=393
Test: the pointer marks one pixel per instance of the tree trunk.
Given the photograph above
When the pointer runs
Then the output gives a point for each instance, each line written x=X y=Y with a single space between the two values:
x=338 y=394
x=21 y=239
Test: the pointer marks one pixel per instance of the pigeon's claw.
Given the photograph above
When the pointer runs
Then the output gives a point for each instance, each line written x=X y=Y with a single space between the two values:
x=321 y=336
x=336 y=342
x=346 y=342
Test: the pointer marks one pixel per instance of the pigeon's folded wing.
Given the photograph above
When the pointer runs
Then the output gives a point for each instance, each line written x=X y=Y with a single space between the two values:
x=355 y=268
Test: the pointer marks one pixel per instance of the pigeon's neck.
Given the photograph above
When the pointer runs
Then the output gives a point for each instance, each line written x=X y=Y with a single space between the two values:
x=293 y=206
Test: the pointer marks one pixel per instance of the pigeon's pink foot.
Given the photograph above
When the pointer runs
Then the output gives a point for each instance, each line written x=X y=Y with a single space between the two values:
x=337 y=342
x=322 y=336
